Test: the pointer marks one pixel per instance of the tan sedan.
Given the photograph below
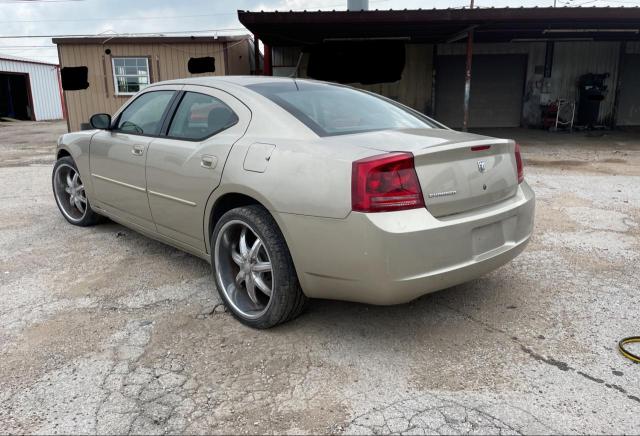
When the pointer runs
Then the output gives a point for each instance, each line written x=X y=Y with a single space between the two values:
x=296 y=189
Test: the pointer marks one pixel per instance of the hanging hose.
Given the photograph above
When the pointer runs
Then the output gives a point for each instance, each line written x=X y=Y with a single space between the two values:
x=630 y=340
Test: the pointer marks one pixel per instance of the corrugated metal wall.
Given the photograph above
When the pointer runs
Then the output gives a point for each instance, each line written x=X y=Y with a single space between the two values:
x=490 y=105
x=45 y=88
x=166 y=61
x=573 y=59
x=628 y=113
x=534 y=51
x=633 y=47
x=570 y=61
x=284 y=61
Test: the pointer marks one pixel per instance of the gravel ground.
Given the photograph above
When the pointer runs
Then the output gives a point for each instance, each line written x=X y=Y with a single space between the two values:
x=105 y=331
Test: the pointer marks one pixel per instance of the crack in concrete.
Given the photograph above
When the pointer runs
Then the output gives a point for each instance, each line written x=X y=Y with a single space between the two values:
x=562 y=366
x=431 y=414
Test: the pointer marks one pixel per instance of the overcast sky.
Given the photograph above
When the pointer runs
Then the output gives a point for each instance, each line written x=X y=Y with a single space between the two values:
x=63 y=17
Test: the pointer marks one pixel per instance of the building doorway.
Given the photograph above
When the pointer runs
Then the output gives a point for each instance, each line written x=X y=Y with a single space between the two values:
x=497 y=86
x=15 y=96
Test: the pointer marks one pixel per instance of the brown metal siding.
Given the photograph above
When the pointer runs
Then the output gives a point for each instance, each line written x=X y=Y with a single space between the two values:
x=166 y=62
x=239 y=56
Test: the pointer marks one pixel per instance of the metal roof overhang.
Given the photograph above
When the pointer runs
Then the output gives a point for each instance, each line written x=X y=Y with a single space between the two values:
x=118 y=39
x=445 y=25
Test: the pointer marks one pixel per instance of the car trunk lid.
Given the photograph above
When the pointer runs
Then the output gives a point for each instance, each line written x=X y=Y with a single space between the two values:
x=461 y=177
x=458 y=172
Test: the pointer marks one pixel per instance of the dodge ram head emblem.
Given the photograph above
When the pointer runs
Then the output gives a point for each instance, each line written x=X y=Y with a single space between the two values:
x=482 y=166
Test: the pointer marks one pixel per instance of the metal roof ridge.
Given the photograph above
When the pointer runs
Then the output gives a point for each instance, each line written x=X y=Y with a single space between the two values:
x=8 y=57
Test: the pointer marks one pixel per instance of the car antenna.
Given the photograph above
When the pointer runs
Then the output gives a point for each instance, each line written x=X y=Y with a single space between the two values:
x=295 y=72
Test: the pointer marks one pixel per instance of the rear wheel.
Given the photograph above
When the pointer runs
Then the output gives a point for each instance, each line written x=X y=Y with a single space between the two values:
x=253 y=268
x=70 y=194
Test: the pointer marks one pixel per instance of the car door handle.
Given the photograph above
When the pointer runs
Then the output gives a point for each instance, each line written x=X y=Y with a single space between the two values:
x=208 y=162
x=137 y=150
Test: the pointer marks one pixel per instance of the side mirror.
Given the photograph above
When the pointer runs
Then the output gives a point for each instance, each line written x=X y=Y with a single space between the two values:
x=100 y=121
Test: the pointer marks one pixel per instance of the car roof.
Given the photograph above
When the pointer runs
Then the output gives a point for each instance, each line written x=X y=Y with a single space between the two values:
x=236 y=80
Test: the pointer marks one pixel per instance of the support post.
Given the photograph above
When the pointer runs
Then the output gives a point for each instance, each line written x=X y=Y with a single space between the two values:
x=63 y=104
x=467 y=82
x=467 y=76
x=619 y=84
x=65 y=108
x=256 y=54
x=225 y=52
x=268 y=70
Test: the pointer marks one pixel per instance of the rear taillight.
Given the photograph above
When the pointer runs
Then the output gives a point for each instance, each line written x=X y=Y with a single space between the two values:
x=519 y=164
x=385 y=183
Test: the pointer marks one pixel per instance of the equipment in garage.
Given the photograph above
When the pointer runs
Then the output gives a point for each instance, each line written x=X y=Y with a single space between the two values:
x=15 y=100
x=591 y=91
x=497 y=87
x=559 y=115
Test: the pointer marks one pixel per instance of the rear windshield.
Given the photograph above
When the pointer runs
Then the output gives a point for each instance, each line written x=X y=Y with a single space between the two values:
x=337 y=110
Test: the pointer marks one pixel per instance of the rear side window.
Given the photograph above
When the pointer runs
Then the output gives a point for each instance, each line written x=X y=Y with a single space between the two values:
x=339 y=110
x=199 y=116
x=144 y=115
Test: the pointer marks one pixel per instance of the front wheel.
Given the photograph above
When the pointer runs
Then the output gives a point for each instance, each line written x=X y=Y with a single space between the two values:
x=70 y=195
x=253 y=268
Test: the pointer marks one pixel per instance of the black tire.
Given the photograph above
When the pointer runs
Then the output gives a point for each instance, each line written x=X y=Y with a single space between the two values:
x=287 y=300
x=72 y=214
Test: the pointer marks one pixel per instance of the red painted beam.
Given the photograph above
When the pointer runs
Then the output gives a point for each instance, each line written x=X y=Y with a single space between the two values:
x=268 y=69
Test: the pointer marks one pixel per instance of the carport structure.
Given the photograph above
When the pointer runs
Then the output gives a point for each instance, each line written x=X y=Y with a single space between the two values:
x=523 y=59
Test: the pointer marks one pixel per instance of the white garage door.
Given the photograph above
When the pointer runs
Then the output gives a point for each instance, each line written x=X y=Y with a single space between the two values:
x=497 y=85
x=629 y=103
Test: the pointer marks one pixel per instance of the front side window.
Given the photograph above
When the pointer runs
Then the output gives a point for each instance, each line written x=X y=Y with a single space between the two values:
x=199 y=116
x=339 y=110
x=144 y=115
x=130 y=75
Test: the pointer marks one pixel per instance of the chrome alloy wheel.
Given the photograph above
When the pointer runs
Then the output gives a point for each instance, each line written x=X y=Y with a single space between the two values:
x=69 y=192
x=243 y=269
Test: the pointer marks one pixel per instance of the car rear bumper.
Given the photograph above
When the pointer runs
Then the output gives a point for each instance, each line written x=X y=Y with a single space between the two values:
x=395 y=257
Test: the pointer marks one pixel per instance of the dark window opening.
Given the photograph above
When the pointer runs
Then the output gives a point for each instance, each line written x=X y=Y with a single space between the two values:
x=357 y=62
x=74 y=78
x=14 y=97
x=202 y=65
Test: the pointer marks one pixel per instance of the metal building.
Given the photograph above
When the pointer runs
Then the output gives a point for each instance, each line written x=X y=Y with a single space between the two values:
x=99 y=74
x=482 y=67
x=29 y=90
